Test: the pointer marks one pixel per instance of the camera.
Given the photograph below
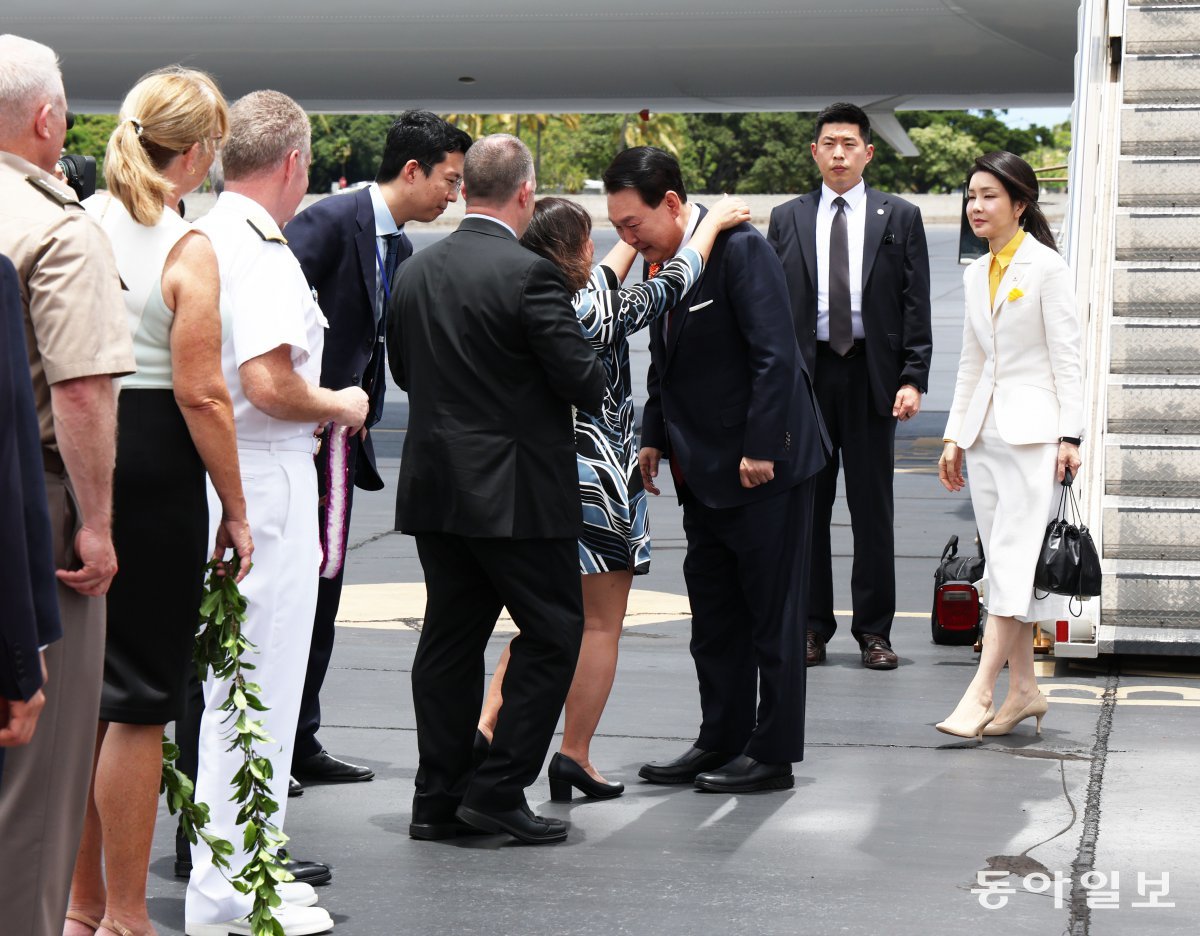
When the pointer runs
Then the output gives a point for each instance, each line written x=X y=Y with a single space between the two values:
x=79 y=172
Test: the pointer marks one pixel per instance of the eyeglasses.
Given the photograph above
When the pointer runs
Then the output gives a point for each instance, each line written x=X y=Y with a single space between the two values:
x=455 y=185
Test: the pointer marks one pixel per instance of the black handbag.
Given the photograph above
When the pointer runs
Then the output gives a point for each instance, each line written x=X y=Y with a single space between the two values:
x=956 y=609
x=1069 y=563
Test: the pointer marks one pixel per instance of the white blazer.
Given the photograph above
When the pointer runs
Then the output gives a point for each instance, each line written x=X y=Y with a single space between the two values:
x=1022 y=355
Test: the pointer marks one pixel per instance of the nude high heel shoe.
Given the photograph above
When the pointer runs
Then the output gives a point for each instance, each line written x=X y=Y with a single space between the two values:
x=966 y=731
x=1035 y=708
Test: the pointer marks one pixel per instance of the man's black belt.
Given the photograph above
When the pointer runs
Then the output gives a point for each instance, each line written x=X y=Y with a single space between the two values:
x=857 y=348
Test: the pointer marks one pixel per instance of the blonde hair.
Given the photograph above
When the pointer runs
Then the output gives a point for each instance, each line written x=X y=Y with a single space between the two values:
x=166 y=113
x=29 y=78
x=264 y=127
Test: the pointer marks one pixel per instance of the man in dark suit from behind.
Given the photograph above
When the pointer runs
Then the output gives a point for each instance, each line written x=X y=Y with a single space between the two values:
x=858 y=274
x=30 y=620
x=731 y=407
x=349 y=247
x=482 y=335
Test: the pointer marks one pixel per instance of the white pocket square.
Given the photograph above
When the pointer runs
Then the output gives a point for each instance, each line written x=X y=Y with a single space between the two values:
x=703 y=305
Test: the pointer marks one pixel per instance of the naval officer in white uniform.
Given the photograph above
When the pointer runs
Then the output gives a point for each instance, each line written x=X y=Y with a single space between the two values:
x=271 y=355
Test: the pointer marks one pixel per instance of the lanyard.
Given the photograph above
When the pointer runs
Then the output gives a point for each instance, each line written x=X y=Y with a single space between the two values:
x=387 y=287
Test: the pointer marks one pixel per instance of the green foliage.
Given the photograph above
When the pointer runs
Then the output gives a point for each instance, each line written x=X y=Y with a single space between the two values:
x=89 y=137
x=220 y=646
x=946 y=156
x=348 y=145
x=193 y=816
x=745 y=153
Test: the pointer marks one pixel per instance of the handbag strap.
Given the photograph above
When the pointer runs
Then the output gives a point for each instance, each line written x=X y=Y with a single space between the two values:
x=1076 y=516
x=1061 y=513
x=951 y=550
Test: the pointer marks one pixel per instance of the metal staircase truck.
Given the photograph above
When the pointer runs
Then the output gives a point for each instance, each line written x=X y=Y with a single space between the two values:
x=1133 y=238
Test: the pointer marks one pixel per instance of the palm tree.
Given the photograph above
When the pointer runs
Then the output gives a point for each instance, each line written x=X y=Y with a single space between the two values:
x=661 y=130
x=480 y=124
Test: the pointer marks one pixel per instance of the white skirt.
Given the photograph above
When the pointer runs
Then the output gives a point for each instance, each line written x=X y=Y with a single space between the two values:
x=1015 y=493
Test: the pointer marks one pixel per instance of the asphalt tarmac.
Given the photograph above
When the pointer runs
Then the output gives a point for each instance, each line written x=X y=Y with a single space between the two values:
x=891 y=827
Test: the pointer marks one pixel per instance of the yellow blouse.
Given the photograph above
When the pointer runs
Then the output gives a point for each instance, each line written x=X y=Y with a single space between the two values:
x=1000 y=262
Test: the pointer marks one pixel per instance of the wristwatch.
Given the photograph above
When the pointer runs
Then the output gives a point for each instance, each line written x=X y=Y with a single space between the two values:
x=1071 y=439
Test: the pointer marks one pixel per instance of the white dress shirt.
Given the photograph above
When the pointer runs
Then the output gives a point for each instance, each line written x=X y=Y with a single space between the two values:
x=472 y=214
x=688 y=230
x=856 y=230
x=385 y=226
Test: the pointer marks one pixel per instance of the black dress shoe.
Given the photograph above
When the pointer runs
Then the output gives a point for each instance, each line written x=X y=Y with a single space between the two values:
x=294 y=787
x=325 y=768
x=684 y=769
x=565 y=773
x=313 y=873
x=439 y=830
x=746 y=775
x=435 y=822
x=521 y=823
x=877 y=653
x=815 y=651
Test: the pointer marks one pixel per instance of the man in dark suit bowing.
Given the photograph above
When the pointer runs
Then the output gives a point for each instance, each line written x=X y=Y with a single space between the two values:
x=858 y=273
x=731 y=408
x=349 y=247
x=482 y=335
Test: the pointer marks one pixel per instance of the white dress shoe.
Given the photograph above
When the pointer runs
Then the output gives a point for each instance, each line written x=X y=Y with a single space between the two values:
x=296 y=921
x=297 y=893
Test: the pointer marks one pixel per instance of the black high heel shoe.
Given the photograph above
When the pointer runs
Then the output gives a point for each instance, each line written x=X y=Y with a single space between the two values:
x=564 y=774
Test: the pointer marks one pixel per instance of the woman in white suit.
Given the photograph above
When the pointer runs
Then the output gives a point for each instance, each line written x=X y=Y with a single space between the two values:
x=1018 y=416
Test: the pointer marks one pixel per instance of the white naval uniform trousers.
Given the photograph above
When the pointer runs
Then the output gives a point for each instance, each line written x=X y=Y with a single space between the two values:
x=265 y=303
x=281 y=596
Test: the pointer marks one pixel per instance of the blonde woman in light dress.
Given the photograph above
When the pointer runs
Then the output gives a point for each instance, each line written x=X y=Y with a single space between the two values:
x=174 y=423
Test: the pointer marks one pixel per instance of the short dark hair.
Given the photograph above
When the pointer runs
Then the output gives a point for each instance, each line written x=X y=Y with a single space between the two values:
x=559 y=231
x=843 y=113
x=419 y=135
x=653 y=172
x=494 y=169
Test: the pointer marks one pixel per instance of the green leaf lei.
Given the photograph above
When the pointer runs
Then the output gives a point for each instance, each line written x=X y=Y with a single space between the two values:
x=220 y=645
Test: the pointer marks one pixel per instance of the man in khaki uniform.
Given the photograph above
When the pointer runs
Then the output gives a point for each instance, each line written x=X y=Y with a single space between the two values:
x=78 y=341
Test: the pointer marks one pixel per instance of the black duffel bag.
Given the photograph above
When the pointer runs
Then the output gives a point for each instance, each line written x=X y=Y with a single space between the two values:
x=956 y=608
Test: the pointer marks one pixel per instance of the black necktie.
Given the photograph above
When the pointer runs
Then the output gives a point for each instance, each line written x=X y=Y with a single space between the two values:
x=841 y=329
x=389 y=261
x=393 y=251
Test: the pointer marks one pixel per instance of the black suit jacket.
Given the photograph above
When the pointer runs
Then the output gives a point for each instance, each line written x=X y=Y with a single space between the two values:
x=482 y=334
x=727 y=381
x=30 y=617
x=895 y=290
x=334 y=240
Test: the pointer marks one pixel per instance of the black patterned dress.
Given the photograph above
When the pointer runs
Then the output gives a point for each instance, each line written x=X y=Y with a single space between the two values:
x=616 y=534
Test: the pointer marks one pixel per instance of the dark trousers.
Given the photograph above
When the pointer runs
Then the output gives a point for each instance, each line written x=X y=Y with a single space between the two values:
x=329 y=597
x=468 y=581
x=187 y=736
x=747 y=578
x=864 y=444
